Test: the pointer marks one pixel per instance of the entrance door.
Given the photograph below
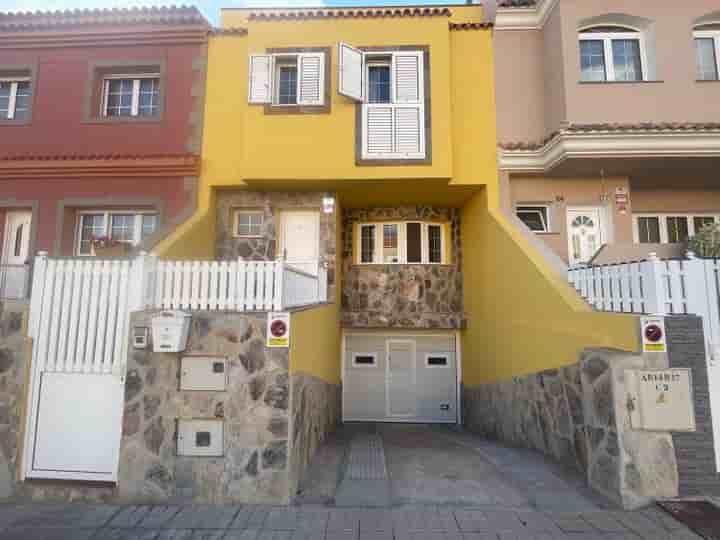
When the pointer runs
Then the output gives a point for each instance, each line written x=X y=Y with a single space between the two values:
x=15 y=255
x=401 y=393
x=585 y=235
x=300 y=239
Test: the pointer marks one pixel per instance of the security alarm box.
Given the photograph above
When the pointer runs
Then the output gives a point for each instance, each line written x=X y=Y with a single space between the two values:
x=203 y=373
x=170 y=330
x=140 y=337
x=200 y=438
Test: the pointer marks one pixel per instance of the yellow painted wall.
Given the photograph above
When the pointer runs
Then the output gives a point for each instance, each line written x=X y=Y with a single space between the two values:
x=523 y=317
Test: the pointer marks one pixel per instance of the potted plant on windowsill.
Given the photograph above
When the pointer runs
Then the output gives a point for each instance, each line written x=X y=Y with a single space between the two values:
x=104 y=246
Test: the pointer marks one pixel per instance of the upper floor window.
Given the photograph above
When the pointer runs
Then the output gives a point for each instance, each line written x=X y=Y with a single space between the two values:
x=125 y=95
x=707 y=52
x=288 y=78
x=393 y=89
x=15 y=94
x=130 y=227
x=612 y=53
x=536 y=217
x=402 y=243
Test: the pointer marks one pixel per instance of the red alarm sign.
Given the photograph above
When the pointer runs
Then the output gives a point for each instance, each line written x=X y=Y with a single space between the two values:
x=278 y=330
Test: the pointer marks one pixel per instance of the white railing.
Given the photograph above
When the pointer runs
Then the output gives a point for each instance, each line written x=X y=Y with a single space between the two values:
x=14 y=281
x=302 y=288
x=658 y=287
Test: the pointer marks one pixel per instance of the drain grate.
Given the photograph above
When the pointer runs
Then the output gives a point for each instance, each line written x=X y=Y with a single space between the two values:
x=367 y=458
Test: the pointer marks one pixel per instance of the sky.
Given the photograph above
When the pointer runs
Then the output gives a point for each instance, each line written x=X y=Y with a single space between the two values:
x=209 y=8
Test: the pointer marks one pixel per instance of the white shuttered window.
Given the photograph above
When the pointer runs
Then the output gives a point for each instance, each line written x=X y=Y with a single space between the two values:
x=393 y=123
x=271 y=75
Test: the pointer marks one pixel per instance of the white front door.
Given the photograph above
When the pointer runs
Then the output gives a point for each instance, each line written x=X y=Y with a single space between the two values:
x=300 y=239
x=15 y=254
x=401 y=392
x=585 y=233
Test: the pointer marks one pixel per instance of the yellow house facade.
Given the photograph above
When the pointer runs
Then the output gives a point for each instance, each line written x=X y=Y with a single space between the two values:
x=364 y=142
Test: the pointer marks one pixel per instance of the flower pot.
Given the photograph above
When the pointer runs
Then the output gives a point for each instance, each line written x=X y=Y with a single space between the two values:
x=121 y=250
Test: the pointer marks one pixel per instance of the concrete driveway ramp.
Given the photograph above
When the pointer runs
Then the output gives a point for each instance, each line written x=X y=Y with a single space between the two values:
x=365 y=482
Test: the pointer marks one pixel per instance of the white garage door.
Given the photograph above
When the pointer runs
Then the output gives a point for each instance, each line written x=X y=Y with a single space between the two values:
x=400 y=378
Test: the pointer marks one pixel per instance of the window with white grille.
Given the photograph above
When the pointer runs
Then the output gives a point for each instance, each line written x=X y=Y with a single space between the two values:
x=391 y=87
x=125 y=95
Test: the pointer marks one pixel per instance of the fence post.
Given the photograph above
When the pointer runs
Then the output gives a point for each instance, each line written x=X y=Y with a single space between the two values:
x=701 y=296
x=322 y=282
x=278 y=300
x=653 y=286
x=37 y=292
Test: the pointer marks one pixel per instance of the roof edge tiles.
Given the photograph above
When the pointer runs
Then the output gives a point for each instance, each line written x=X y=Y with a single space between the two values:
x=510 y=4
x=42 y=20
x=365 y=13
x=616 y=128
x=470 y=26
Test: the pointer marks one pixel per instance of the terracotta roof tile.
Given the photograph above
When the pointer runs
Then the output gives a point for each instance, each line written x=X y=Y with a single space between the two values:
x=363 y=13
x=470 y=26
x=94 y=157
x=42 y=20
x=517 y=3
x=636 y=128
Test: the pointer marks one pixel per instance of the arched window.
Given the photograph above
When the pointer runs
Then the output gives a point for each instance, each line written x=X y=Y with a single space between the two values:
x=707 y=51
x=612 y=53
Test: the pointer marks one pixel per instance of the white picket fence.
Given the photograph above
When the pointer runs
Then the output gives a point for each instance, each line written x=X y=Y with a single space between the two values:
x=658 y=287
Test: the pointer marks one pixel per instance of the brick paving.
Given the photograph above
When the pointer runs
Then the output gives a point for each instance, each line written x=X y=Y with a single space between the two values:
x=209 y=522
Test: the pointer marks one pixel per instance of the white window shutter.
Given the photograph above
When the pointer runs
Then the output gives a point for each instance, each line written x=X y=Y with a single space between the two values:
x=311 y=78
x=409 y=131
x=378 y=131
x=408 y=71
x=261 y=77
x=350 y=72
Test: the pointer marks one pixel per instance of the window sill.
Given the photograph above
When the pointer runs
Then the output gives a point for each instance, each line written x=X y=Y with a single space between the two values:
x=375 y=265
x=546 y=233
x=707 y=81
x=385 y=162
x=247 y=237
x=123 y=120
x=6 y=122
x=298 y=109
x=600 y=83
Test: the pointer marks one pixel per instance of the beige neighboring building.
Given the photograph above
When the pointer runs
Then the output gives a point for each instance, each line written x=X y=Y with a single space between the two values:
x=609 y=120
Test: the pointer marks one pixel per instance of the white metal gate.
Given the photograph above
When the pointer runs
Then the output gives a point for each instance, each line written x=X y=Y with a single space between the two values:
x=79 y=314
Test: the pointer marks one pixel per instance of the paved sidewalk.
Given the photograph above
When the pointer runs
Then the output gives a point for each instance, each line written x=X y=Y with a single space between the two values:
x=207 y=522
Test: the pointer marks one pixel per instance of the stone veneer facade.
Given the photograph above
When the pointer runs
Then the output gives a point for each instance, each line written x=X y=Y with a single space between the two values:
x=264 y=248
x=273 y=422
x=577 y=415
x=402 y=295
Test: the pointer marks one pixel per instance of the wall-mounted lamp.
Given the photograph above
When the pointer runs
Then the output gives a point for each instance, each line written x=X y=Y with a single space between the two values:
x=328 y=204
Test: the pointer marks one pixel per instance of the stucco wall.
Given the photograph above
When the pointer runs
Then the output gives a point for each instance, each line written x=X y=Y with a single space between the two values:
x=561 y=193
x=402 y=295
x=523 y=317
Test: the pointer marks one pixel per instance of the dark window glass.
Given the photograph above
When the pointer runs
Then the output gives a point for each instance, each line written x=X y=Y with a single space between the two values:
x=649 y=230
x=700 y=222
x=535 y=217
x=626 y=59
x=677 y=229
x=707 y=68
x=435 y=243
x=287 y=89
x=18 y=241
x=414 y=243
x=379 y=84
x=149 y=98
x=367 y=243
x=437 y=361
x=119 y=97
x=202 y=438
x=365 y=360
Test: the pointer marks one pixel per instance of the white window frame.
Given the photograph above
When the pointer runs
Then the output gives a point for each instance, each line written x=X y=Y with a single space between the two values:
x=374 y=59
x=446 y=356
x=662 y=223
x=378 y=257
x=715 y=35
x=107 y=214
x=13 y=94
x=280 y=61
x=607 y=38
x=373 y=355
x=236 y=220
x=135 y=106
x=548 y=217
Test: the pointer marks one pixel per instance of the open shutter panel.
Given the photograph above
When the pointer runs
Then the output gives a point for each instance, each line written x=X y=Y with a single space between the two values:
x=311 y=79
x=408 y=77
x=260 y=84
x=350 y=72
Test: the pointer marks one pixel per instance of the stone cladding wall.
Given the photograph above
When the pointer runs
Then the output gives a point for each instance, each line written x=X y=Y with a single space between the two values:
x=402 y=295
